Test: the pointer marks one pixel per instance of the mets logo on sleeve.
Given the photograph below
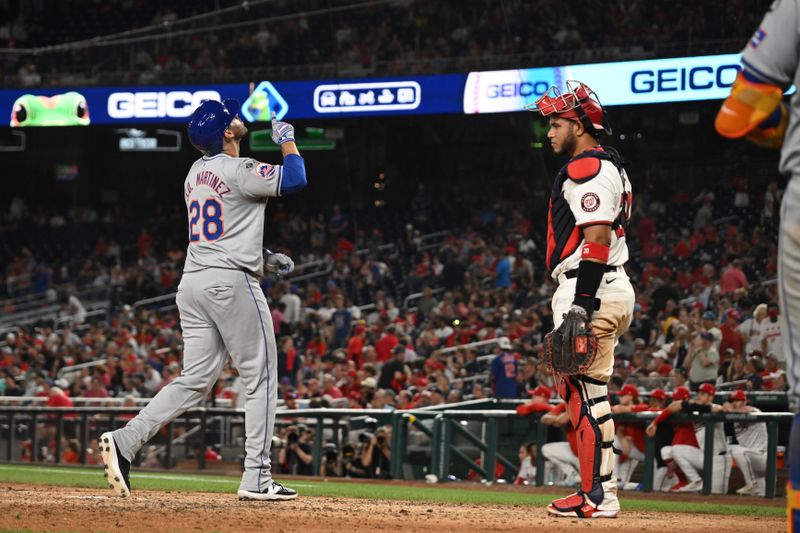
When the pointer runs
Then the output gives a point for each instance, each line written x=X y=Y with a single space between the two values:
x=590 y=202
x=265 y=170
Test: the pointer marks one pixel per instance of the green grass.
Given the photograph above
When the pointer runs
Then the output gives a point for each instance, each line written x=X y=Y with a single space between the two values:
x=93 y=478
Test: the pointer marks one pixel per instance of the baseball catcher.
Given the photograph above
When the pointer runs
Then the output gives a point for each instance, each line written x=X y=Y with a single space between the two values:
x=593 y=305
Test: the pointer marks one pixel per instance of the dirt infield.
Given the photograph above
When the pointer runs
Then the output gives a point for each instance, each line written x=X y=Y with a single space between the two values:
x=42 y=508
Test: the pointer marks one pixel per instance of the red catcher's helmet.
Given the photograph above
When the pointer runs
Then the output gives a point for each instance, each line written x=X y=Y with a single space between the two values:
x=579 y=102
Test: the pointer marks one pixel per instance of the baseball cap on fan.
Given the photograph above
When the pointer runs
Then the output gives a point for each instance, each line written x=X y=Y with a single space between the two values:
x=629 y=389
x=658 y=394
x=708 y=388
x=738 y=396
x=681 y=393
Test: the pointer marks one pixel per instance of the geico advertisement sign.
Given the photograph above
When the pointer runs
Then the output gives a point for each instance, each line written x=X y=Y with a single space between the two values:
x=151 y=104
x=621 y=83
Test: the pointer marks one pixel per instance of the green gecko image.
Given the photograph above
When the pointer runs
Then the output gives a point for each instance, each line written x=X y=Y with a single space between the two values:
x=68 y=109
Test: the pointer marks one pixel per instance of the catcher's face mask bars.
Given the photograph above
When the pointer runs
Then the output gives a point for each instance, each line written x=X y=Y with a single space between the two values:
x=553 y=101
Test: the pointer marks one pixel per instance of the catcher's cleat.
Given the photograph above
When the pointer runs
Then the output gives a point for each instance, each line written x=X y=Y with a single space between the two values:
x=275 y=492
x=117 y=468
x=577 y=506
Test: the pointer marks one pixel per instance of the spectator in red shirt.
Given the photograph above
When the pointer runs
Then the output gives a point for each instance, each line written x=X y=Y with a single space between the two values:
x=731 y=338
x=385 y=344
x=58 y=398
x=316 y=346
x=683 y=248
x=645 y=229
x=355 y=346
x=329 y=387
x=96 y=389
x=733 y=278
x=144 y=243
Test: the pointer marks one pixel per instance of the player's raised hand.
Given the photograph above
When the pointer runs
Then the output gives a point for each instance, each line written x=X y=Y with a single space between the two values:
x=278 y=263
x=282 y=132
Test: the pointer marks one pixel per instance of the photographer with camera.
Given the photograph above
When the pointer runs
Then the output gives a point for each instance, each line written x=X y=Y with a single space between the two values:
x=376 y=453
x=295 y=455
x=331 y=464
x=351 y=463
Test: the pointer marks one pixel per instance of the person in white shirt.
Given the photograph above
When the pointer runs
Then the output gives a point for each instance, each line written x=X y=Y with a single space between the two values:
x=750 y=449
x=771 y=340
x=751 y=328
x=527 y=467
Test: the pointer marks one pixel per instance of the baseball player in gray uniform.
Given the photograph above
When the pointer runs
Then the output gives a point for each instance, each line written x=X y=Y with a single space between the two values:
x=222 y=307
x=755 y=109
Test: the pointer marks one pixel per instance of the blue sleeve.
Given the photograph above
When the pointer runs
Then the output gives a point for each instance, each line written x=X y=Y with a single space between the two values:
x=293 y=178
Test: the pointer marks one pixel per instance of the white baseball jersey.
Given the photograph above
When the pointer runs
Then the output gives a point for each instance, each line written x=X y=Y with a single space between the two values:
x=719 y=436
x=771 y=332
x=752 y=330
x=752 y=436
x=597 y=201
x=225 y=199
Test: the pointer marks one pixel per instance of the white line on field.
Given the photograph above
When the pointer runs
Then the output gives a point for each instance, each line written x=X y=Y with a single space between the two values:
x=140 y=475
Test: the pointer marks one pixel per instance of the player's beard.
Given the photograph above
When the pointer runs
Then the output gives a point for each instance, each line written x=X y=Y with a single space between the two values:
x=240 y=132
x=570 y=142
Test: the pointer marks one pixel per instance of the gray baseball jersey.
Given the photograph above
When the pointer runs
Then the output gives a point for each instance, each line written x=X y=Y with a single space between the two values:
x=773 y=54
x=223 y=309
x=225 y=200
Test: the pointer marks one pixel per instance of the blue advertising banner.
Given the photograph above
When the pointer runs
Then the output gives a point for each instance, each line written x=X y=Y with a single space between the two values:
x=297 y=100
x=620 y=83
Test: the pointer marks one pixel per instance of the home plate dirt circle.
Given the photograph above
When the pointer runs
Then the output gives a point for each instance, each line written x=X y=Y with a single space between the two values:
x=44 y=508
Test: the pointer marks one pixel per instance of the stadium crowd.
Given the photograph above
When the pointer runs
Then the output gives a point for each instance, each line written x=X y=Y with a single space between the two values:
x=390 y=38
x=706 y=312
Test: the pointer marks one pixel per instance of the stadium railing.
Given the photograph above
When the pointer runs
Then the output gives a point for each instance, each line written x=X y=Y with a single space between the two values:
x=441 y=424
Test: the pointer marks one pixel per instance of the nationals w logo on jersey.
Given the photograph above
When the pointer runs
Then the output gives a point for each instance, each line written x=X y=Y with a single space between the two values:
x=590 y=202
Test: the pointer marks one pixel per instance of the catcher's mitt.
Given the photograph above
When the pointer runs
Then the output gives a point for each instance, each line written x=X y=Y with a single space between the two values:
x=572 y=347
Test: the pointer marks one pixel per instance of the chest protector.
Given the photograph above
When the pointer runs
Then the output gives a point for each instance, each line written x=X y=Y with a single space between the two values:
x=563 y=236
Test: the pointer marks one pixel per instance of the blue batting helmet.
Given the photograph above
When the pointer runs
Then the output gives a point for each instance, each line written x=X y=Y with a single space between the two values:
x=209 y=121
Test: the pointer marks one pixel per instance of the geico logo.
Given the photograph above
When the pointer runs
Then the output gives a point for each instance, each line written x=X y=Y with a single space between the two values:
x=177 y=104
x=681 y=79
x=525 y=88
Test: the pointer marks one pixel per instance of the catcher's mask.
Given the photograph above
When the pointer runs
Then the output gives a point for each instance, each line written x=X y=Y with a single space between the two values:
x=579 y=102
